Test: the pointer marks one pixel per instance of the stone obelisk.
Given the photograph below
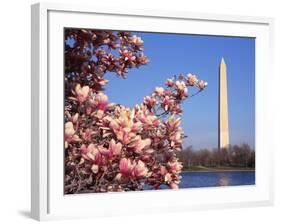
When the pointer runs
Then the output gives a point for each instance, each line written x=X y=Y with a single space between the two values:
x=223 y=134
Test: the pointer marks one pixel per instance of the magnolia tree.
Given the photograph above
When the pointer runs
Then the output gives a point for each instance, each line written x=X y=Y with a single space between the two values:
x=110 y=147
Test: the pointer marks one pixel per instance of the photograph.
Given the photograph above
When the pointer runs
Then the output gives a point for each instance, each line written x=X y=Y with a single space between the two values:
x=157 y=111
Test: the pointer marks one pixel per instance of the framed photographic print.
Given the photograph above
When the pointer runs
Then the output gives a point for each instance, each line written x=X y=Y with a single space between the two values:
x=148 y=111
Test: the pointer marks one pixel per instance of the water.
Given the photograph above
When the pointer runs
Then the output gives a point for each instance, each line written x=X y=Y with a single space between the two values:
x=213 y=179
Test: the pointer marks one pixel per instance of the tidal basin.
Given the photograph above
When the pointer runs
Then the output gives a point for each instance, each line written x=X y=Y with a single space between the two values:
x=199 y=179
x=214 y=179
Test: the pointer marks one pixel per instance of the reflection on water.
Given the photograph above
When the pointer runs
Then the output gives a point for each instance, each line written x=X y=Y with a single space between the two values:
x=213 y=179
x=224 y=181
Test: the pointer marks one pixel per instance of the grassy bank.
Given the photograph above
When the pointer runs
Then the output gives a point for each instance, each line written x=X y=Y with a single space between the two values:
x=217 y=169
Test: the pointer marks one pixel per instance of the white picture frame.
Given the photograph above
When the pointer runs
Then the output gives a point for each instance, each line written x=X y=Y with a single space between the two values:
x=48 y=201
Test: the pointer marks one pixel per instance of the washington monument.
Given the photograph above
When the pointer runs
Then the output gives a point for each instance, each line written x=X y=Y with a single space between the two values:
x=223 y=133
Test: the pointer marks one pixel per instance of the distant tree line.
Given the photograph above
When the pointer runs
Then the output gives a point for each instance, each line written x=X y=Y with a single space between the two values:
x=235 y=156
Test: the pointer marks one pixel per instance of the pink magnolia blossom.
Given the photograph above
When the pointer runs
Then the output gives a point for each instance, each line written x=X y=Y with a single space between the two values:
x=191 y=79
x=150 y=101
x=136 y=41
x=146 y=117
x=125 y=126
x=175 y=166
x=140 y=170
x=127 y=55
x=100 y=81
x=169 y=82
x=125 y=166
x=143 y=60
x=100 y=101
x=168 y=178
x=173 y=123
x=181 y=88
x=157 y=136
x=139 y=144
x=87 y=134
x=90 y=152
x=121 y=70
x=69 y=134
x=114 y=148
x=176 y=138
x=110 y=147
x=136 y=126
x=159 y=91
x=122 y=133
x=82 y=92
x=74 y=118
x=176 y=109
x=202 y=84
x=167 y=103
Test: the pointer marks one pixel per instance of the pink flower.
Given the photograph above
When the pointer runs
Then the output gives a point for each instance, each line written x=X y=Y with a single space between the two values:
x=100 y=101
x=173 y=123
x=90 y=152
x=168 y=178
x=191 y=80
x=108 y=59
x=100 y=81
x=176 y=138
x=136 y=41
x=125 y=135
x=74 y=118
x=167 y=103
x=93 y=153
x=175 y=167
x=82 y=93
x=114 y=149
x=202 y=84
x=169 y=82
x=150 y=101
x=124 y=126
x=138 y=144
x=176 y=109
x=121 y=70
x=69 y=134
x=140 y=170
x=125 y=166
x=99 y=160
x=136 y=126
x=180 y=86
x=127 y=55
x=142 y=60
x=159 y=91
x=69 y=130
x=87 y=134
x=149 y=119
x=157 y=137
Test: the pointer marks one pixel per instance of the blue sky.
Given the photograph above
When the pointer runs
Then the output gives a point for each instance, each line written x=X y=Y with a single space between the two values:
x=171 y=54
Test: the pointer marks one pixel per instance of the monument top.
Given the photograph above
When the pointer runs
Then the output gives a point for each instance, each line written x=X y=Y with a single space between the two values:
x=223 y=62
